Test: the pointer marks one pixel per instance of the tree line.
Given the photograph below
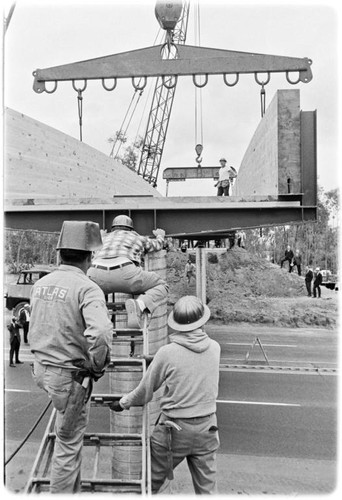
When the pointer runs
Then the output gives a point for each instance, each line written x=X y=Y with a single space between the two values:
x=317 y=242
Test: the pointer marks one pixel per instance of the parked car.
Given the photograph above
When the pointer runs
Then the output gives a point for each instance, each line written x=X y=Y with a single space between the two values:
x=330 y=280
x=18 y=293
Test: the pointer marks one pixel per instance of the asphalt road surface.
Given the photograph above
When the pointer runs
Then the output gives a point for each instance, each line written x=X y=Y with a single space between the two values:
x=282 y=407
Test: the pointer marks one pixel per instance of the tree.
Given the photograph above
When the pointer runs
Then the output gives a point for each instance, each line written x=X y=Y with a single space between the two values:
x=130 y=154
x=25 y=248
x=317 y=241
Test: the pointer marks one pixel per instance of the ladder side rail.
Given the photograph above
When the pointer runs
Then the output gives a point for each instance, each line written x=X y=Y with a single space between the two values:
x=146 y=461
x=41 y=453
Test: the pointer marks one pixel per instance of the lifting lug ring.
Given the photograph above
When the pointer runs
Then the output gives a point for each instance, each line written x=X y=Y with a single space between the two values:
x=107 y=88
x=263 y=83
x=169 y=49
x=290 y=81
x=171 y=86
x=200 y=85
x=137 y=87
x=50 y=91
x=230 y=84
x=79 y=89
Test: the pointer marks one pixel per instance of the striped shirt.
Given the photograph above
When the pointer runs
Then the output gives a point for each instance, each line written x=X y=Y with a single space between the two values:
x=121 y=243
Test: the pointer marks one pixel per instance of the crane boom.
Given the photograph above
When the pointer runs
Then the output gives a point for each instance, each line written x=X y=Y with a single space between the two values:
x=160 y=112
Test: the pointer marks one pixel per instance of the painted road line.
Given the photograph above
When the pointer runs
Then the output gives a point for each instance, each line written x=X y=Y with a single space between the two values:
x=17 y=390
x=264 y=403
x=264 y=345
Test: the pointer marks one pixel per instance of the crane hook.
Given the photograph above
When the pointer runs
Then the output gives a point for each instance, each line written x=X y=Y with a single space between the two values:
x=199 y=149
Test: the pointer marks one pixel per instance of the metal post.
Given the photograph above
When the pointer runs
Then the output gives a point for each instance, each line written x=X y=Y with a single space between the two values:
x=201 y=273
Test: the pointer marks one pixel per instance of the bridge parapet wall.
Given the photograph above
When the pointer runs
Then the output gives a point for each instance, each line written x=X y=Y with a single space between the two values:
x=272 y=162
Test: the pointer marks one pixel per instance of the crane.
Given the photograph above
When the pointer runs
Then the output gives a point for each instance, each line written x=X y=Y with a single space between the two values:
x=164 y=92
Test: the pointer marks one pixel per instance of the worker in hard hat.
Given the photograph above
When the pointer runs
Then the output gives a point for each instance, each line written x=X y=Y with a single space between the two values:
x=70 y=338
x=188 y=369
x=117 y=268
x=223 y=182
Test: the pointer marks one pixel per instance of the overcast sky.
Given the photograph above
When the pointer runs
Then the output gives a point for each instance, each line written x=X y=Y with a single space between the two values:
x=46 y=33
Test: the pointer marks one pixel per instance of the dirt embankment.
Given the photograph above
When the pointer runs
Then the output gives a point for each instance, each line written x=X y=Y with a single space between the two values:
x=244 y=288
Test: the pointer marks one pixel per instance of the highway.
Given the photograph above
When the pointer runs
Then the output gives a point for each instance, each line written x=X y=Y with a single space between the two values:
x=287 y=408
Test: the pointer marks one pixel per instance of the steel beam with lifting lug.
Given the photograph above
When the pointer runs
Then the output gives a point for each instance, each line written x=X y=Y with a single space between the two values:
x=190 y=61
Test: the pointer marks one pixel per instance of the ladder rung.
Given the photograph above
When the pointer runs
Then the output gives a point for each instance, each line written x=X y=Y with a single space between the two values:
x=105 y=399
x=120 y=485
x=112 y=485
x=116 y=305
x=132 y=332
x=110 y=439
x=131 y=362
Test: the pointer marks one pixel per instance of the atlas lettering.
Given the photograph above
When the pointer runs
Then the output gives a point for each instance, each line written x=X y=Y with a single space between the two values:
x=51 y=292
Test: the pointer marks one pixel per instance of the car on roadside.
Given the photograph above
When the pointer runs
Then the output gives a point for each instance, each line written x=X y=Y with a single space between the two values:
x=18 y=293
x=329 y=280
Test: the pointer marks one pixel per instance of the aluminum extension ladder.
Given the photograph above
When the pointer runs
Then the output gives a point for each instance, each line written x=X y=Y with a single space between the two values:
x=98 y=447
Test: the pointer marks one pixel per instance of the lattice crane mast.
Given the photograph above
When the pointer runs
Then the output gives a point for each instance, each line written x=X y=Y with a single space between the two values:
x=173 y=17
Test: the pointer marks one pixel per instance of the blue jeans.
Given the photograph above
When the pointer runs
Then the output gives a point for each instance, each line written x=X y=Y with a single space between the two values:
x=67 y=456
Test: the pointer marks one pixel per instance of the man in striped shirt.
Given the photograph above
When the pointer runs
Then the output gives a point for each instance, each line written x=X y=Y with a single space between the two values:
x=116 y=267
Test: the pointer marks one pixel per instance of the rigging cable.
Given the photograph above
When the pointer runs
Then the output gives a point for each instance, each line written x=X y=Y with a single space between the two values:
x=198 y=95
x=121 y=133
x=148 y=95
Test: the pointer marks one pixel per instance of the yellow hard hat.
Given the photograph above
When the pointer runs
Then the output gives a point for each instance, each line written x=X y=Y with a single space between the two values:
x=80 y=235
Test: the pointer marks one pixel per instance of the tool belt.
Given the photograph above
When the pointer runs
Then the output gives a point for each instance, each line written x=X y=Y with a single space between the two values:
x=81 y=390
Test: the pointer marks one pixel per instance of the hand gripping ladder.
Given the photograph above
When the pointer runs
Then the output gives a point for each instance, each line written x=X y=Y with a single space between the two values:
x=100 y=447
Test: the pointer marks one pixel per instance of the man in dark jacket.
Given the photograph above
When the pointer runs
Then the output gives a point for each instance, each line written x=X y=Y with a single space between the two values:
x=308 y=279
x=14 y=330
x=317 y=282
x=297 y=261
x=288 y=256
x=24 y=319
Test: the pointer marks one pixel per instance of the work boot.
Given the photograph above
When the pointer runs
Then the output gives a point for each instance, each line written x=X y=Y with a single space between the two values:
x=19 y=362
x=12 y=365
x=133 y=314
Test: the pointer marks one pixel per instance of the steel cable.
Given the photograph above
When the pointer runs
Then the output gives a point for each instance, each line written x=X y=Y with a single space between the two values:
x=29 y=433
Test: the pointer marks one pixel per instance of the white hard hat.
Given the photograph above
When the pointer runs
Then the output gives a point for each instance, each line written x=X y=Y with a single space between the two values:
x=223 y=159
x=188 y=314
x=80 y=235
x=122 y=221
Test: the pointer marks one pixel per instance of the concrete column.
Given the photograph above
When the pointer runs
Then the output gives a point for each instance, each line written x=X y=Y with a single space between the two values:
x=126 y=460
x=201 y=274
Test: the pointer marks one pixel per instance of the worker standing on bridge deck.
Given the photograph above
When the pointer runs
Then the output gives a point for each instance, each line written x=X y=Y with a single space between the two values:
x=117 y=268
x=224 y=179
x=70 y=337
x=188 y=368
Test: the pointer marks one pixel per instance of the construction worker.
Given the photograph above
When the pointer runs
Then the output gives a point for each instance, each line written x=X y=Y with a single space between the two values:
x=190 y=271
x=187 y=426
x=224 y=182
x=70 y=337
x=117 y=268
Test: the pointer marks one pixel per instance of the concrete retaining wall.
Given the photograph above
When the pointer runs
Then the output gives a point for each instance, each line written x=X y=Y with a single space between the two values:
x=271 y=164
x=43 y=163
